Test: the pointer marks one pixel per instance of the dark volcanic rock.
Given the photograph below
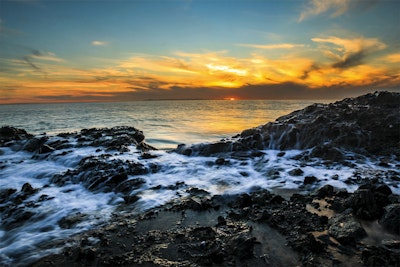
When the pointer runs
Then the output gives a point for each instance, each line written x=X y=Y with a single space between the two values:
x=369 y=200
x=8 y=133
x=391 y=219
x=34 y=144
x=296 y=172
x=71 y=220
x=178 y=235
x=116 y=138
x=307 y=243
x=103 y=174
x=345 y=229
x=380 y=256
x=242 y=246
x=310 y=179
x=368 y=123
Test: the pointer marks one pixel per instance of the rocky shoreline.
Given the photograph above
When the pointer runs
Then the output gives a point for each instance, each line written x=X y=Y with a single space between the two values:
x=328 y=227
x=313 y=225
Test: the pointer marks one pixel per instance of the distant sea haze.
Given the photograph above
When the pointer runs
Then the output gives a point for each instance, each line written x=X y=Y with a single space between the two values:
x=164 y=123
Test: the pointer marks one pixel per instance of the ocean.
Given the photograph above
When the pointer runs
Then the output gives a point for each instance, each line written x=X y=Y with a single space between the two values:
x=164 y=123
x=33 y=225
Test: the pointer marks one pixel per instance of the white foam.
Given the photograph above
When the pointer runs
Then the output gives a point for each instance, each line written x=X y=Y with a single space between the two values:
x=269 y=171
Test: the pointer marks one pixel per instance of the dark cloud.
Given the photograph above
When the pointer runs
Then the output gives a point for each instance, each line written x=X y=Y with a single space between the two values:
x=270 y=92
x=351 y=60
x=307 y=72
x=28 y=60
x=281 y=91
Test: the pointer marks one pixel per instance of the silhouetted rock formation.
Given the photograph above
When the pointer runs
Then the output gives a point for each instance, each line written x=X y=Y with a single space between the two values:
x=368 y=123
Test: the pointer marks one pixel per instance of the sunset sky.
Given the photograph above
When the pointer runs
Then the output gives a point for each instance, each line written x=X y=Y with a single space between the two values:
x=121 y=50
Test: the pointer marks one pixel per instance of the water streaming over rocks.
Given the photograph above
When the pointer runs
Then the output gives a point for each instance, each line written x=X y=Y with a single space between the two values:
x=92 y=195
x=366 y=124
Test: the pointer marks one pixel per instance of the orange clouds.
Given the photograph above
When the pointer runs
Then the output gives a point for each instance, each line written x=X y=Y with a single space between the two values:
x=325 y=62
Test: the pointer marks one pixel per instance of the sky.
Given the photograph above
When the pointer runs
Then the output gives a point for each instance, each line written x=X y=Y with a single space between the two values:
x=122 y=50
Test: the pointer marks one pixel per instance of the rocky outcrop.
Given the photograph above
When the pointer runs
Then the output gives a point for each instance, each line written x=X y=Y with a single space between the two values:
x=346 y=229
x=8 y=133
x=103 y=174
x=369 y=123
x=111 y=139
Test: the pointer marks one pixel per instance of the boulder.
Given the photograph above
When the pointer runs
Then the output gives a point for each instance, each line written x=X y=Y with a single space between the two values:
x=34 y=144
x=296 y=172
x=345 y=229
x=8 y=133
x=391 y=219
x=310 y=180
x=369 y=200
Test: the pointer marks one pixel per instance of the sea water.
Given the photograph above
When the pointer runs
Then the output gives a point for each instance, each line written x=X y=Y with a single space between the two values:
x=165 y=125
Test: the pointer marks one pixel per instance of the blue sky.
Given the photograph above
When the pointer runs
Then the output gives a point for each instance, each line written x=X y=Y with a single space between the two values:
x=91 y=50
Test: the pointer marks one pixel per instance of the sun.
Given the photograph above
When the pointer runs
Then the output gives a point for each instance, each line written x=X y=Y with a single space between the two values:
x=230 y=98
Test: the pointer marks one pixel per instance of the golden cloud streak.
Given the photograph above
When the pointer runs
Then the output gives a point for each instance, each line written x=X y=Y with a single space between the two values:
x=273 y=46
x=199 y=70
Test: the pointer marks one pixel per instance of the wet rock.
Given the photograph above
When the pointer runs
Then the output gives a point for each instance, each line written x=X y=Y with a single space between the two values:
x=44 y=197
x=27 y=189
x=277 y=199
x=8 y=133
x=130 y=185
x=380 y=256
x=101 y=174
x=327 y=152
x=44 y=149
x=296 y=172
x=117 y=178
x=70 y=221
x=116 y=138
x=307 y=243
x=221 y=221
x=203 y=233
x=261 y=197
x=130 y=199
x=391 y=219
x=364 y=205
x=325 y=191
x=34 y=144
x=242 y=201
x=87 y=254
x=59 y=144
x=345 y=229
x=5 y=194
x=369 y=200
x=196 y=191
x=220 y=161
x=310 y=180
x=242 y=246
x=16 y=217
x=148 y=156
x=367 y=123
x=183 y=149
x=383 y=189
x=193 y=204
